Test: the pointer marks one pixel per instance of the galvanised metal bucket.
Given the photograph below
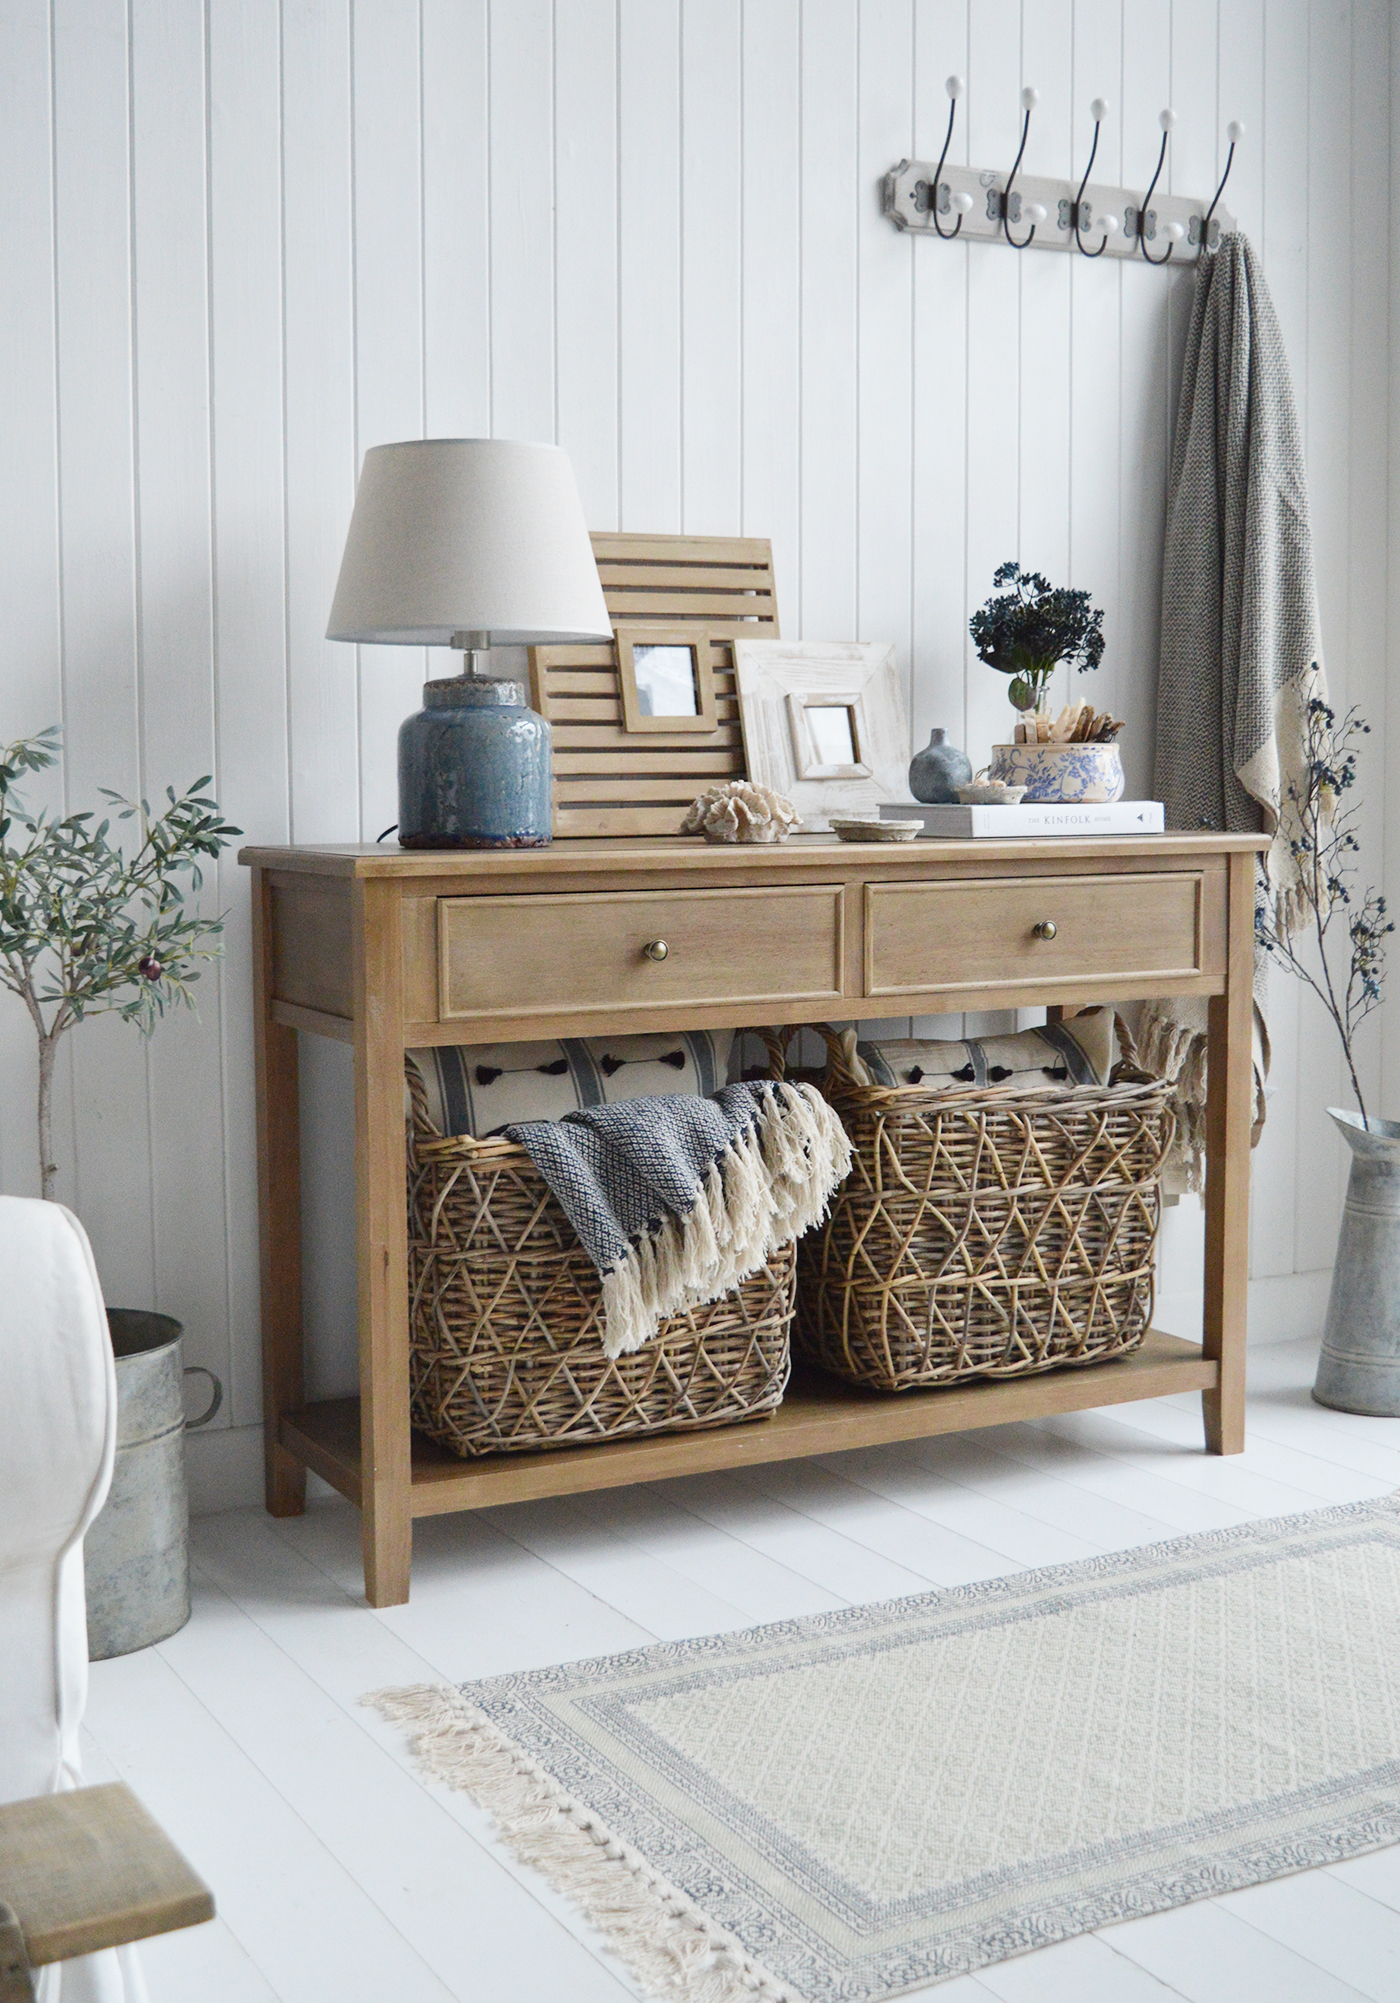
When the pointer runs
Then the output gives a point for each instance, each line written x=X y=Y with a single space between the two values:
x=136 y=1556
x=1359 y=1368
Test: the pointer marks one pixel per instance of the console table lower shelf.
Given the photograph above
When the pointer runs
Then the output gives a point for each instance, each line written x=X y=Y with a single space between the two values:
x=818 y=1415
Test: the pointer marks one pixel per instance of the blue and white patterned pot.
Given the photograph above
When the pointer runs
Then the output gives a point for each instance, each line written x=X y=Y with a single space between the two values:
x=1074 y=772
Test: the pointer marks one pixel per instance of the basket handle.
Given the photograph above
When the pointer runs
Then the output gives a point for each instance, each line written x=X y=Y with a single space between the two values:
x=420 y=1124
x=838 y=1077
x=777 y=1042
x=1129 y=1070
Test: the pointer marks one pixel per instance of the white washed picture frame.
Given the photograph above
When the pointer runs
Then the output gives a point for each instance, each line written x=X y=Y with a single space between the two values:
x=782 y=682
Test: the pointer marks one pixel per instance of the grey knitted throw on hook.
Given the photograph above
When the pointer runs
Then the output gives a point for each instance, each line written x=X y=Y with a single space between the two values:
x=1240 y=633
x=677 y=1198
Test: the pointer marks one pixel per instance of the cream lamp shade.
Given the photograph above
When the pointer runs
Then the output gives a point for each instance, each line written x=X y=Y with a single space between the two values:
x=477 y=542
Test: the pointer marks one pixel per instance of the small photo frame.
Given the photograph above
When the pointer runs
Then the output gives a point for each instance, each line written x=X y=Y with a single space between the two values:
x=666 y=678
x=829 y=733
x=824 y=724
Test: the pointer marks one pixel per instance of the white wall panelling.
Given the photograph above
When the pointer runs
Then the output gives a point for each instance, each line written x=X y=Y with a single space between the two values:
x=244 y=242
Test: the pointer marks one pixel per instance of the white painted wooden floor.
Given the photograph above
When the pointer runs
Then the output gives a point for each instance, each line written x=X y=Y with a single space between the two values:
x=340 y=1878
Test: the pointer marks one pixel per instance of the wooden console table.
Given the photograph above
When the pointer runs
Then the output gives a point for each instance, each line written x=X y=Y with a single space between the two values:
x=389 y=950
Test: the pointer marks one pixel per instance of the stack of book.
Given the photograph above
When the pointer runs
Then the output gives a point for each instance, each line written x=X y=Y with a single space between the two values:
x=1031 y=817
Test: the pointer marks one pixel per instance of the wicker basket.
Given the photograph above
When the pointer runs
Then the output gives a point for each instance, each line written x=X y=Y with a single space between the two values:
x=986 y=1232
x=506 y=1318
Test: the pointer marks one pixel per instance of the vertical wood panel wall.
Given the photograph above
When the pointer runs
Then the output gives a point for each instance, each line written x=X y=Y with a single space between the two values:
x=244 y=242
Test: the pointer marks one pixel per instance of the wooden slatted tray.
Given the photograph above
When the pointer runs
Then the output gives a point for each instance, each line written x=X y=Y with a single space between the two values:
x=610 y=782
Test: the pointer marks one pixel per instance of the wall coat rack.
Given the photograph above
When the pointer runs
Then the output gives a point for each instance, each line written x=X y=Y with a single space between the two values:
x=985 y=206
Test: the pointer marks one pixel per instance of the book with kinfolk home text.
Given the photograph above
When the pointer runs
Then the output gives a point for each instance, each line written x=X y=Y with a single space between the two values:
x=1031 y=817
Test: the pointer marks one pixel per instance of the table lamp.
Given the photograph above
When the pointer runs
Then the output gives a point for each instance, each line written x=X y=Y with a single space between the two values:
x=472 y=543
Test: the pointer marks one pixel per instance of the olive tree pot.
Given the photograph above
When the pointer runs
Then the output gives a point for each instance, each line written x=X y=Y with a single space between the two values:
x=136 y=1555
x=1359 y=1368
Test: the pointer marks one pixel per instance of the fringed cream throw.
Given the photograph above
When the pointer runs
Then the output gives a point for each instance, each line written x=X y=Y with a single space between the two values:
x=1240 y=631
x=677 y=1199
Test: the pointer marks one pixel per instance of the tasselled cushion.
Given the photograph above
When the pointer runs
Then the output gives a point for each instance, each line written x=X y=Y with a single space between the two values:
x=480 y=1088
x=1080 y=1050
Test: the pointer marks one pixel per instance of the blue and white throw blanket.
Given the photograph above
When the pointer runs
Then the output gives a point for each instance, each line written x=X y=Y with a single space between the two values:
x=676 y=1199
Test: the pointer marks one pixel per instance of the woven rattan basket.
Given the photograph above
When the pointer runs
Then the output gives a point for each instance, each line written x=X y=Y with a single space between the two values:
x=986 y=1232
x=506 y=1317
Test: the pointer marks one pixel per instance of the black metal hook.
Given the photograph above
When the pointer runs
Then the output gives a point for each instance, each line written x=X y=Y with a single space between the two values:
x=954 y=88
x=1098 y=111
x=1166 y=119
x=1029 y=100
x=1234 y=132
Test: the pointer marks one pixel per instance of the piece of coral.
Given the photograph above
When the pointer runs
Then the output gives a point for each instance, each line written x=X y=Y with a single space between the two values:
x=741 y=812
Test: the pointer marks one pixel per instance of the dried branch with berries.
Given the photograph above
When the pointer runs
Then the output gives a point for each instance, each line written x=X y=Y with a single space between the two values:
x=89 y=929
x=1325 y=850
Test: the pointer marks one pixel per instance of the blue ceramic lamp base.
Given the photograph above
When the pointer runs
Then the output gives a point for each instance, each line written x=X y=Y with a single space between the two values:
x=474 y=768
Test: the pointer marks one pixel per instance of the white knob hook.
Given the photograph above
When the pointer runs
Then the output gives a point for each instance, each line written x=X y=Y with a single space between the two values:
x=1109 y=223
x=1166 y=118
x=1078 y=208
x=1234 y=132
x=1030 y=98
x=963 y=202
x=954 y=86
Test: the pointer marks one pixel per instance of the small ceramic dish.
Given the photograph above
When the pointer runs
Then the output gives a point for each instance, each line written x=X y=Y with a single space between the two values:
x=991 y=793
x=876 y=831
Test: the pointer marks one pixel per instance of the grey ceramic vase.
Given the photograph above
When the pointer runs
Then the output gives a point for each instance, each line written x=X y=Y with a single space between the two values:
x=936 y=772
x=474 y=768
x=136 y=1555
x=1359 y=1368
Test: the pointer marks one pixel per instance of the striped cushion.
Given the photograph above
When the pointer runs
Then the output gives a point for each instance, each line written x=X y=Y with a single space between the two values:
x=479 y=1088
x=1078 y=1051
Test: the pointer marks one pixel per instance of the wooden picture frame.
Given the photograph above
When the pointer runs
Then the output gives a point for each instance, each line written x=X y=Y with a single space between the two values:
x=619 y=783
x=635 y=643
x=824 y=768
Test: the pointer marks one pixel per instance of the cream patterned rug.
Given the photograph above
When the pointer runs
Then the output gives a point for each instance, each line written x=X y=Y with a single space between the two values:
x=846 y=1807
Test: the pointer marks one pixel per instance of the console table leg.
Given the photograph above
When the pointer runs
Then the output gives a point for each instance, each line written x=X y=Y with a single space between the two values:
x=1228 y=1118
x=279 y=1207
x=381 y=1187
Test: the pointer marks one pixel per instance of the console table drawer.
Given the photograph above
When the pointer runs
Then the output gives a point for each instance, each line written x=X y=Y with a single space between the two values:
x=542 y=956
x=932 y=939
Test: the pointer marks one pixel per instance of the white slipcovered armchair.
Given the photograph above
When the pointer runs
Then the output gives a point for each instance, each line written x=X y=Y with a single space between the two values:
x=55 y=1466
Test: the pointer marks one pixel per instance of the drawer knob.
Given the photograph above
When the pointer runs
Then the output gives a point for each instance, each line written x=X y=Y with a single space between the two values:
x=1046 y=929
x=656 y=949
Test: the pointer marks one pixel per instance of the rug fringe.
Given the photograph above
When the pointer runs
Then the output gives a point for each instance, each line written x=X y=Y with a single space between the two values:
x=668 y=1944
x=770 y=1185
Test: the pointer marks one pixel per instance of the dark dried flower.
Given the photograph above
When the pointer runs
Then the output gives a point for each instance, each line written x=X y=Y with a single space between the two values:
x=1026 y=632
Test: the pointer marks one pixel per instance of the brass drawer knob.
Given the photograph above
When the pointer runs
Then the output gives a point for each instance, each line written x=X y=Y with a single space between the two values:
x=656 y=949
x=1046 y=929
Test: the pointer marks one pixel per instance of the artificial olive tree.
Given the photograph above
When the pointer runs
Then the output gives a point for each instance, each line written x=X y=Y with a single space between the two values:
x=90 y=928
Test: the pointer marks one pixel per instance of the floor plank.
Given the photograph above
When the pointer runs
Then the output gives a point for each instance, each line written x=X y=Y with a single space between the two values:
x=834 y=1533
x=988 y=1471
x=571 y=1533
x=1330 y=1923
x=1086 y=1970
x=481 y=1603
x=338 y=1651
x=920 y=1477
x=1212 y=1956
x=300 y=1915
x=655 y=1521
